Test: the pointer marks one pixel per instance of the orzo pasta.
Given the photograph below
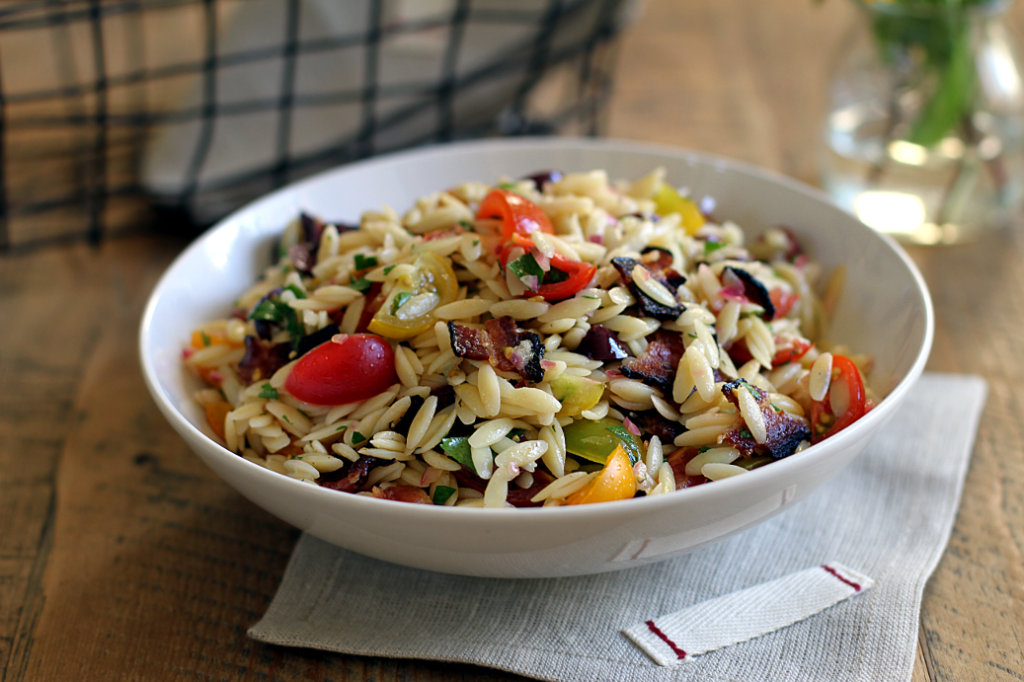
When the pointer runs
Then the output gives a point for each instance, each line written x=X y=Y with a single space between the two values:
x=551 y=341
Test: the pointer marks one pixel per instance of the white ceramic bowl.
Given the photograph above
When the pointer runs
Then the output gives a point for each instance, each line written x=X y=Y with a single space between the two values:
x=884 y=310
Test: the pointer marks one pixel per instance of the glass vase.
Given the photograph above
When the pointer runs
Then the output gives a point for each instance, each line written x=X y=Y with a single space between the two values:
x=924 y=138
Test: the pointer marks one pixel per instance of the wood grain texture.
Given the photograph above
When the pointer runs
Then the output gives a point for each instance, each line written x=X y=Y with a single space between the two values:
x=123 y=558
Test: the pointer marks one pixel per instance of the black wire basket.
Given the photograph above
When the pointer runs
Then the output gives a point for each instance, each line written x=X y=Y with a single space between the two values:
x=124 y=114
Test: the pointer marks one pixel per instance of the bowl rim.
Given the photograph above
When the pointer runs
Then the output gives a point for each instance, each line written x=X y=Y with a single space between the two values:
x=735 y=485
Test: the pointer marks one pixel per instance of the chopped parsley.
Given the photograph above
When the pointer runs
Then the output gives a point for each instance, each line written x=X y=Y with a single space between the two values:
x=745 y=433
x=703 y=449
x=206 y=339
x=299 y=293
x=280 y=313
x=527 y=270
x=388 y=269
x=399 y=300
x=630 y=443
x=365 y=262
x=340 y=428
x=442 y=493
x=508 y=185
x=285 y=417
x=710 y=247
x=357 y=437
x=458 y=448
x=516 y=433
x=466 y=224
x=362 y=285
x=268 y=392
x=554 y=276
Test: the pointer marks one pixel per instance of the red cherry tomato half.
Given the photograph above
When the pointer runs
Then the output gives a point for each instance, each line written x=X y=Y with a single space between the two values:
x=823 y=422
x=346 y=370
x=783 y=301
x=518 y=215
x=578 y=277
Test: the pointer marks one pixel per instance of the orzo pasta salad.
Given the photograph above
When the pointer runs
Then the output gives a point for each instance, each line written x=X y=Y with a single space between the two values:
x=553 y=340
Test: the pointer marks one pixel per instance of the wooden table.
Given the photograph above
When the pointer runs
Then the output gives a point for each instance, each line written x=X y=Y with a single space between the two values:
x=122 y=557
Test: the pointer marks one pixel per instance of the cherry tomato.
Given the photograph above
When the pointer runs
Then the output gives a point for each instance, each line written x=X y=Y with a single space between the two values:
x=408 y=308
x=579 y=276
x=845 y=377
x=783 y=301
x=347 y=369
x=789 y=351
x=667 y=200
x=615 y=482
x=518 y=215
x=796 y=349
x=216 y=413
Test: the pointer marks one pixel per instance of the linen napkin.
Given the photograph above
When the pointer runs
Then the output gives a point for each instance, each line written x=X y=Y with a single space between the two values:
x=887 y=516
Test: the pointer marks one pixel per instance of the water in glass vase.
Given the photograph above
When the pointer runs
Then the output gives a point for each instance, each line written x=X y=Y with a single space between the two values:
x=927 y=146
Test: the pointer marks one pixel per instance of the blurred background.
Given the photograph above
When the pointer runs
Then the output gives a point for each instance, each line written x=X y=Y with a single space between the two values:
x=118 y=115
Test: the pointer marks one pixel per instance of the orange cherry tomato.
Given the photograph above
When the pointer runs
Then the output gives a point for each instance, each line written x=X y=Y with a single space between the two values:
x=518 y=215
x=615 y=482
x=216 y=413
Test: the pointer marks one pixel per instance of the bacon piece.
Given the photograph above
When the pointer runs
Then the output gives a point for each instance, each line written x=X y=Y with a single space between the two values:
x=402 y=493
x=653 y=424
x=667 y=276
x=657 y=365
x=261 y=359
x=503 y=344
x=601 y=343
x=443 y=232
x=752 y=289
x=785 y=432
x=656 y=258
x=352 y=477
x=517 y=497
x=678 y=461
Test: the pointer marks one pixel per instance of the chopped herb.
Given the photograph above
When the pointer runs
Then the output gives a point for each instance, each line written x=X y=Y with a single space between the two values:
x=776 y=408
x=281 y=313
x=442 y=493
x=710 y=247
x=526 y=267
x=744 y=433
x=554 y=276
x=357 y=437
x=304 y=414
x=206 y=339
x=703 y=449
x=340 y=428
x=459 y=450
x=468 y=225
x=299 y=293
x=593 y=298
x=691 y=335
x=508 y=185
x=630 y=443
x=285 y=417
x=362 y=285
x=364 y=262
x=388 y=269
x=268 y=392
x=399 y=300
x=516 y=433
x=476 y=242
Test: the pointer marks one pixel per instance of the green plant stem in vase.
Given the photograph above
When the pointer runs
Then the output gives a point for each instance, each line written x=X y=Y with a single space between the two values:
x=924 y=134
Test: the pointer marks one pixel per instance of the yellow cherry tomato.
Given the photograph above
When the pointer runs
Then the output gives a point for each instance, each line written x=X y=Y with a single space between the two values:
x=408 y=309
x=667 y=200
x=615 y=482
